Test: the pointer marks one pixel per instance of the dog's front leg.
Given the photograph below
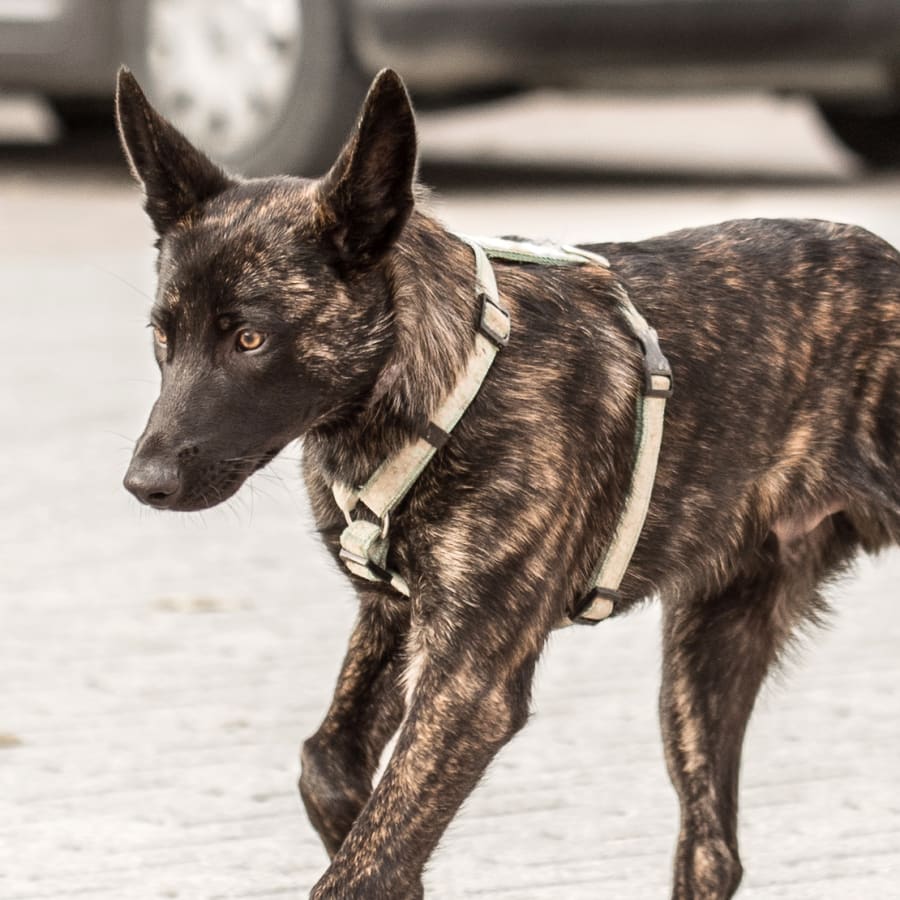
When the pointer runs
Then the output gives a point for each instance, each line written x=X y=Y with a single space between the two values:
x=472 y=684
x=340 y=759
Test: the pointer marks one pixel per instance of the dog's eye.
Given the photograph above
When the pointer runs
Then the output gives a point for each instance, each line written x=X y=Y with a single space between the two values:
x=248 y=339
x=160 y=335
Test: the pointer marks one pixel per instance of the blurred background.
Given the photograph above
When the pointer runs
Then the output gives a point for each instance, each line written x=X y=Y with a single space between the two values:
x=158 y=671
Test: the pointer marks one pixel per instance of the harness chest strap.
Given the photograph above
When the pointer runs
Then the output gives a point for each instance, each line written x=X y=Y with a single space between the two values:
x=364 y=544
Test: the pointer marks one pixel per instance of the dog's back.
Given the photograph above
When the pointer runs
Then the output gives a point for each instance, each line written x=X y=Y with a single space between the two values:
x=785 y=340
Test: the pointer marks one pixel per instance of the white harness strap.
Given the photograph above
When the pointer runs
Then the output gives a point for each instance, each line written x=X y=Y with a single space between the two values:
x=600 y=600
x=391 y=481
x=364 y=543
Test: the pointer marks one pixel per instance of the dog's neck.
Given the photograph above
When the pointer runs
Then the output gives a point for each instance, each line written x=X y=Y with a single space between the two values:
x=430 y=279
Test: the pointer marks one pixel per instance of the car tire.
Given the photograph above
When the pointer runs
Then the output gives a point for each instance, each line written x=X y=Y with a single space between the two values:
x=303 y=132
x=872 y=133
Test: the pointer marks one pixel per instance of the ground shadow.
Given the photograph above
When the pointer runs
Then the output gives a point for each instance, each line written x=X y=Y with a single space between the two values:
x=97 y=154
x=93 y=154
x=488 y=175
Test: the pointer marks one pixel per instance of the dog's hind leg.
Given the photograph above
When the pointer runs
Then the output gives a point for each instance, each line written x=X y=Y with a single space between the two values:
x=340 y=759
x=716 y=653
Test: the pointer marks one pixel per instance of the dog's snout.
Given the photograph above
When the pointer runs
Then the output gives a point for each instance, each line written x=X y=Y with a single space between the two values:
x=153 y=481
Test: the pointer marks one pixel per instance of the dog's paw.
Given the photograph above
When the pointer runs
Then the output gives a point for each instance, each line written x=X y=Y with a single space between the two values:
x=333 y=887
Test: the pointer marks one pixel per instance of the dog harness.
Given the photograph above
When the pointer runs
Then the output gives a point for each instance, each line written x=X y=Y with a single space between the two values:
x=365 y=543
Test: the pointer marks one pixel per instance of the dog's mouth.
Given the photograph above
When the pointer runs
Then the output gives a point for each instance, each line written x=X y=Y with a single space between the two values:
x=188 y=482
x=219 y=480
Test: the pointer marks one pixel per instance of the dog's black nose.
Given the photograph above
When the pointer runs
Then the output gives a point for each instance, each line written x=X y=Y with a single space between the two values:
x=153 y=481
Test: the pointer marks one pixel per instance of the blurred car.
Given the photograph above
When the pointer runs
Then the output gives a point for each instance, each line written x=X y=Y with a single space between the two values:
x=274 y=85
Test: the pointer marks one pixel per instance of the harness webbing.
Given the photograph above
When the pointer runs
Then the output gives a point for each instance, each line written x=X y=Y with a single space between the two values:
x=364 y=543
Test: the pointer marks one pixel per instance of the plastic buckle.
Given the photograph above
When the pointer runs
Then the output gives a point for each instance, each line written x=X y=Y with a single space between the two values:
x=655 y=365
x=596 y=593
x=494 y=323
x=377 y=573
x=350 y=556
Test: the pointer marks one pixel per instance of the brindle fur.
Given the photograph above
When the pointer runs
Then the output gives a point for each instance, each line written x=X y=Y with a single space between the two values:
x=778 y=464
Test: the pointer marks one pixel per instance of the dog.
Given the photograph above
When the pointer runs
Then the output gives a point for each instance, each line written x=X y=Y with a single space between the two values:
x=338 y=310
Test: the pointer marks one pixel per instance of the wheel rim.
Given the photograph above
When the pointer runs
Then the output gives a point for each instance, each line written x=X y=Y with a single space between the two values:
x=223 y=72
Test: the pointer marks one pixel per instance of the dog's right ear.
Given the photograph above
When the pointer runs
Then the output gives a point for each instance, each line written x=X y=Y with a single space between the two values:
x=175 y=175
x=367 y=196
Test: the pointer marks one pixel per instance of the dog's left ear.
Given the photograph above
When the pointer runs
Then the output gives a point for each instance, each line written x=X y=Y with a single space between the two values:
x=175 y=175
x=367 y=196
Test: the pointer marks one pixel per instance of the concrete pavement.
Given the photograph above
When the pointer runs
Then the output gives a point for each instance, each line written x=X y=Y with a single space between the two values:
x=158 y=671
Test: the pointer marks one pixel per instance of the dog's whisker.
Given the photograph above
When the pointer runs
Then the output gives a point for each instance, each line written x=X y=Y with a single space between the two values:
x=120 y=278
x=252 y=494
x=124 y=437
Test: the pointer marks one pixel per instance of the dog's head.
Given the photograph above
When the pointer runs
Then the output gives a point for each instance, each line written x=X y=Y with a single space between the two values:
x=272 y=311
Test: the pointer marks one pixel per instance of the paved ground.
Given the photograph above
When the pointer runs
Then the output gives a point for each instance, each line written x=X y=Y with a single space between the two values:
x=157 y=672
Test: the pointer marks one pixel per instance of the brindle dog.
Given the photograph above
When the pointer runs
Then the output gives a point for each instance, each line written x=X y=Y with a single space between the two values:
x=340 y=311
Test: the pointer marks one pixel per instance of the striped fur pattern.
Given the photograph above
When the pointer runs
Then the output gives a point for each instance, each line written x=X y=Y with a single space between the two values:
x=779 y=462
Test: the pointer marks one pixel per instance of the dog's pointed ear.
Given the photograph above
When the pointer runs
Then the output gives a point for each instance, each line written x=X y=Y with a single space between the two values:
x=367 y=196
x=175 y=175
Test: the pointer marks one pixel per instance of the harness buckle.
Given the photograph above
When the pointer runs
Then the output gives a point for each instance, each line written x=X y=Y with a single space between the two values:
x=611 y=597
x=355 y=562
x=494 y=322
x=351 y=557
x=656 y=366
x=364 y=550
